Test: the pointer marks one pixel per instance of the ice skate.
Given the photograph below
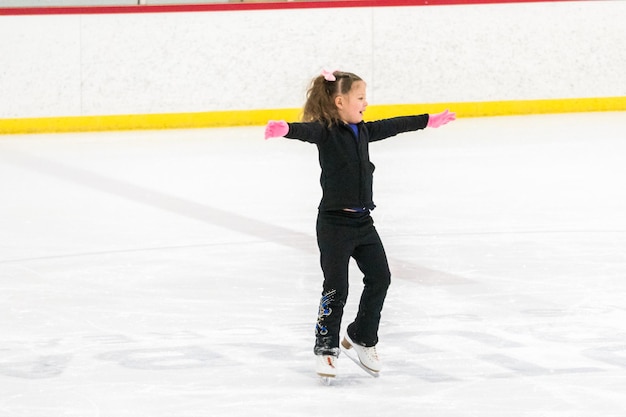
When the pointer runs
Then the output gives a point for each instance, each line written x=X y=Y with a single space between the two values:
x=367 y=355
x=326 y=367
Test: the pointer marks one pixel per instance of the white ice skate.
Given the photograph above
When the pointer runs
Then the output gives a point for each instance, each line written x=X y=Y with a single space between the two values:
x=367 y=355
x=326 y=367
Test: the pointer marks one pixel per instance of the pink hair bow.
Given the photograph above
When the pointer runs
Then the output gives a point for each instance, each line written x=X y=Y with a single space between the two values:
x=329 y=75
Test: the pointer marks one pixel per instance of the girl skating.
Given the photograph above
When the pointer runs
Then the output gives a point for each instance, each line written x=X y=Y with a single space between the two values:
x=333 y=121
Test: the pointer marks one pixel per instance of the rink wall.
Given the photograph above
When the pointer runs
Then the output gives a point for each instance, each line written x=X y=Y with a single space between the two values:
x=76 y=69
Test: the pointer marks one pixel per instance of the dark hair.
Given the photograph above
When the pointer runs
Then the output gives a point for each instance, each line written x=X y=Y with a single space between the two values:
x=320 y=98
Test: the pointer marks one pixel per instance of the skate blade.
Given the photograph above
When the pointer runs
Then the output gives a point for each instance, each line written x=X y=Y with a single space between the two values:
x=354 y=358
x=326 y=379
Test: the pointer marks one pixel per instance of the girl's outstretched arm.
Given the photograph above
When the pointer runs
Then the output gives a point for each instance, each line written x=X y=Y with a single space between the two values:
x=312 y=132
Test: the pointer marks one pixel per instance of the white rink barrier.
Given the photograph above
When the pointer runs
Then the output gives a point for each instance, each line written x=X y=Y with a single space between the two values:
x=234 y=66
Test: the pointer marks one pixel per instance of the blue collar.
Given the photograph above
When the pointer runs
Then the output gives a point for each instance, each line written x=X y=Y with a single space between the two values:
x=355 y=129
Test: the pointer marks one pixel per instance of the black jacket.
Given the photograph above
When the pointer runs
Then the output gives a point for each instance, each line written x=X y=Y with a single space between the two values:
x=347 y=172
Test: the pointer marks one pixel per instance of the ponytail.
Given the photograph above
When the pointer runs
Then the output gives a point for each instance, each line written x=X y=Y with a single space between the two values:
x=320 y=98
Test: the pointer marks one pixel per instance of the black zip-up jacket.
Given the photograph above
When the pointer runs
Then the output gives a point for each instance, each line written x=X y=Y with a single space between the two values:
x=347 y=172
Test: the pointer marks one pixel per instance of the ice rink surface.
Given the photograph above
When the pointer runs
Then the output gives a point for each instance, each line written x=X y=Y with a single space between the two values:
x=175 y=273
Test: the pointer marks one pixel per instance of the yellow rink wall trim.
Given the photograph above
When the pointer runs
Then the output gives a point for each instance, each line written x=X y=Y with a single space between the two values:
x=260 y=117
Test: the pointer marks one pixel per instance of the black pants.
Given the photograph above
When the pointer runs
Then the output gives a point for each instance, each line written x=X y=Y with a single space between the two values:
x=340 y=236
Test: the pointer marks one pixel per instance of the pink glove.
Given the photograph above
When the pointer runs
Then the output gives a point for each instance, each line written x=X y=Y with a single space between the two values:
x=440 y=119
x=276 y=129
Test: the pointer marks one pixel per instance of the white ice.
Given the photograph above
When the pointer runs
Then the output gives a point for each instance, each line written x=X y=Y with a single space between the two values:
x=175 y=273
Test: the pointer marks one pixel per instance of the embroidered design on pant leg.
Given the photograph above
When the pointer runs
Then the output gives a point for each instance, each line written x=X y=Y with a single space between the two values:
x=324 y=311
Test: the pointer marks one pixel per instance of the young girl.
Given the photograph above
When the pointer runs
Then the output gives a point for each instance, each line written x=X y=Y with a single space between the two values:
x=333 y=120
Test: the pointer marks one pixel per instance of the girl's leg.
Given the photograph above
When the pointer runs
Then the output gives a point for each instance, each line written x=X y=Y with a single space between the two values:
x=335 y=249
x=372 y=261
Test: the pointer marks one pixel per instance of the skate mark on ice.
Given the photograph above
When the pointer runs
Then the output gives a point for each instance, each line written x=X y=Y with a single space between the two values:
x=211 y=215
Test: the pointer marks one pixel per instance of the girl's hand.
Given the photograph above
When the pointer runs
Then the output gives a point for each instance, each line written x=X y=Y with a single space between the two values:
x=440 y=119
x=276 y=128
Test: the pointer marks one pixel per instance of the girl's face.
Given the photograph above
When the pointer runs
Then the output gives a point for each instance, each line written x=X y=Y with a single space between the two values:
x=352 y=105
